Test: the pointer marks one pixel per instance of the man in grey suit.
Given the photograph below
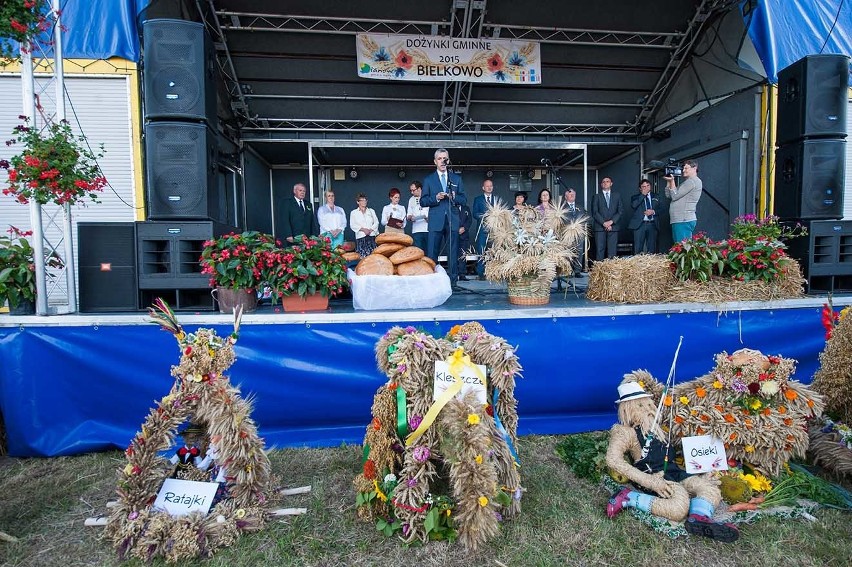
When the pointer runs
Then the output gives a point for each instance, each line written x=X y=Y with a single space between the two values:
x=440 y=188
x=644 y=222
x=684 y=201
x=606 y=213
x=297 y=216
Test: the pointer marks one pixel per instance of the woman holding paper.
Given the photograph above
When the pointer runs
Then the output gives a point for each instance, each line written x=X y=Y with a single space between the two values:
x=393 y=215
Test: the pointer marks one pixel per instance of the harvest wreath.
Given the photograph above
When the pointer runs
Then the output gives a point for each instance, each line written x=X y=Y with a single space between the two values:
x=203 y=395
x=445 y=466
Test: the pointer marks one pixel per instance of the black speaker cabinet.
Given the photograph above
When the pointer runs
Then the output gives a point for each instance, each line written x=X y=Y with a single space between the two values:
x=812 y=98
x=107 y=266
x=179 y=72
x=809 y=179
x=825 y=255
x=181 y=169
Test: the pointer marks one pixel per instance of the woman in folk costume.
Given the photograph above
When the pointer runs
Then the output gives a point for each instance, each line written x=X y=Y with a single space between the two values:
x=670 y=492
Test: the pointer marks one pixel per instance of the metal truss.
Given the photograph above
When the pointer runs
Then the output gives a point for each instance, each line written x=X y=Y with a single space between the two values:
x=676 y=62
x=467 y=18
x=405 y=127
x=236 y=98
x=249 y=21
x=609 y=38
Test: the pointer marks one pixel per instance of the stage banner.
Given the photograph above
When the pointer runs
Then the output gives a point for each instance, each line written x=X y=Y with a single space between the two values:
x=440 y=58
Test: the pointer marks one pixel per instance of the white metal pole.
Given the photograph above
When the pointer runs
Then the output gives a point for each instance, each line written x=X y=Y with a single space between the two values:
x=67 y=233
x=29 y=110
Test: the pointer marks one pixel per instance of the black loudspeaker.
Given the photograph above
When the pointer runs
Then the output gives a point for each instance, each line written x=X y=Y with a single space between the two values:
x=180 y=71
x=107 y=266
x=825 y=255
x=812 y=98
x=181 y=166
x=809 y=179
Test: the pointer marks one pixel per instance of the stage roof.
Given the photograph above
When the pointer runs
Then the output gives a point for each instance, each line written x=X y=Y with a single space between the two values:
x=613 y=71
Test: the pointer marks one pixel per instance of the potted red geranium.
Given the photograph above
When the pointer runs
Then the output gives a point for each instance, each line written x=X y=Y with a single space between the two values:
x=54 y=166
x=20 y=22
x=234 y=262
x=305 y=274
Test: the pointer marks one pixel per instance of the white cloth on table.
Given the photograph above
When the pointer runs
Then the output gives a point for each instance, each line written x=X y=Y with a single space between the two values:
x=400 y=292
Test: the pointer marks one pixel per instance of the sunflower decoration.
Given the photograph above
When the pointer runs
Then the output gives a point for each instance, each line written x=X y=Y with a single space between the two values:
x=442 y=465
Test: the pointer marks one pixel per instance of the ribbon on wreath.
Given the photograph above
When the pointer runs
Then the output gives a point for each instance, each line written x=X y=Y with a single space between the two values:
x=502 y=430
x=401 y=412
x=457 y=362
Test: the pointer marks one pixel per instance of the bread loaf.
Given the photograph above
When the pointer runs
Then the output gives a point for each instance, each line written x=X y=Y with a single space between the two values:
x=374 y=265
x=429 y=261
x=388 y=248
x=408 y=254
x=351 y=256
x=415 y=268
x=394 y=238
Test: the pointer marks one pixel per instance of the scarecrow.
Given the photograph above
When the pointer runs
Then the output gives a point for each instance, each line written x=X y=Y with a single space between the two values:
x=661 y=487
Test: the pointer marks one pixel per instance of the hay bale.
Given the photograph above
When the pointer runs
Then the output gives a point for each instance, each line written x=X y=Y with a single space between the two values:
x=644 y=278
x=648 y=278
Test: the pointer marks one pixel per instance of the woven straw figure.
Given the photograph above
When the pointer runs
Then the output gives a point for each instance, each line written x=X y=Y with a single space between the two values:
x=833 y=380
x=749 y=402
x=203 y=395
x=456 y=476
x=640 y=451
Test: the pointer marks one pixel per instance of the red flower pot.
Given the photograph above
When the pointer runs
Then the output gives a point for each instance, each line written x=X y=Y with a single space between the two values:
x=296 y=304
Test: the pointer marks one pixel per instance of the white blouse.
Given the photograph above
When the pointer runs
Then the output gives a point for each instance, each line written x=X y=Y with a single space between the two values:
x=395 y=211
x=331 y=220
x=359 y=220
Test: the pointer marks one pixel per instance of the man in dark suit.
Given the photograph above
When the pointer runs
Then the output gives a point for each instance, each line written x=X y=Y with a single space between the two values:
x=465 y=219
x=439 y=189
x=606 y=213
x=480 y=207
x=643 y=222
x=574 y=212
x=297 y=217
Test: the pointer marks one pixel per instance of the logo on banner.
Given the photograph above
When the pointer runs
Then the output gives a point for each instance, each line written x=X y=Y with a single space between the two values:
x=470 y=381
x=704 y=453
x=181 y=497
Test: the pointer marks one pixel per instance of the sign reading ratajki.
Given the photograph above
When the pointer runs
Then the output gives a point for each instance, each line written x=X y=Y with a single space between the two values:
x=180 y=497
x=441 y=58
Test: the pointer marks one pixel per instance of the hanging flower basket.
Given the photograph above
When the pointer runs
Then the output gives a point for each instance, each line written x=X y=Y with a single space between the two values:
x=20 y=21
x=54 y=166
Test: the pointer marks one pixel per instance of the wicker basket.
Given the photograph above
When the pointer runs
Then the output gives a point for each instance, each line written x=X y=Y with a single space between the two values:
x=523 y=291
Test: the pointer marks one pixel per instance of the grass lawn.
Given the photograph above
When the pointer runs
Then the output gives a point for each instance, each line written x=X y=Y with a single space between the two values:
x=44 y=503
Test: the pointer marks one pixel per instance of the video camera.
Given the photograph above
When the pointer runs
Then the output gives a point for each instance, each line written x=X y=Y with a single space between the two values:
x=673 y=168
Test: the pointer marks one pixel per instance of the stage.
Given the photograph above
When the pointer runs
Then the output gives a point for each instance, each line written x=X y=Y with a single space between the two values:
x=77 y=383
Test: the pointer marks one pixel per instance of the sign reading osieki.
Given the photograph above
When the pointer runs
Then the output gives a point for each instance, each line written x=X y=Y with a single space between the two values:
x=439 y=58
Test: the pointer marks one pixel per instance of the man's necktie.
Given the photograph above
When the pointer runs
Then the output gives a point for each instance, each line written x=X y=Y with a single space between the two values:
x=488 y=200
x=572 y=207
x=606 y=196
x=302 y=205
x=444 y=181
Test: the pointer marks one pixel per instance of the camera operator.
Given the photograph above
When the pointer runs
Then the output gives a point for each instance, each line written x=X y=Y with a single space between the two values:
x=684 y=200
